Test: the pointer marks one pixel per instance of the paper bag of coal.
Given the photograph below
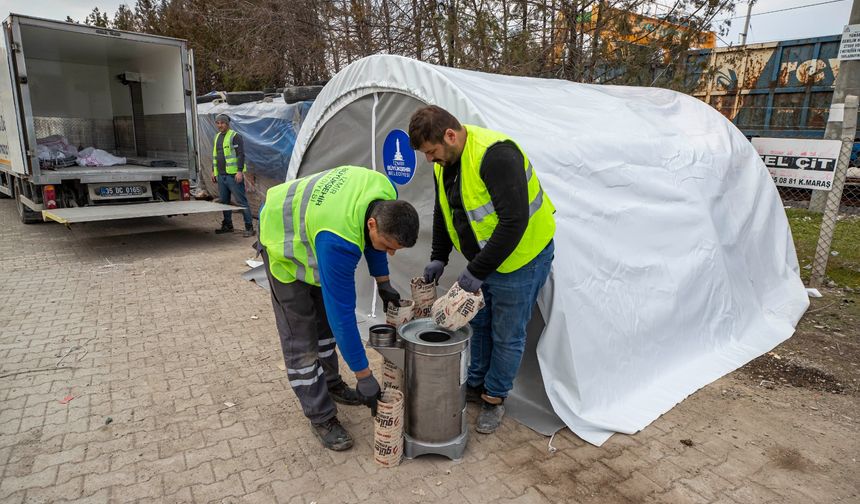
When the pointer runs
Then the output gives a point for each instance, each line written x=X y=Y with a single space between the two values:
x=456 y=308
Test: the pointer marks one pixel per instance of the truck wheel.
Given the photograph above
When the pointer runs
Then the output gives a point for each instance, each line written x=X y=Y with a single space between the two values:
x=240 y=97
x=211 y=97
x=301 y=93
x=26 y=215
x=8 y=180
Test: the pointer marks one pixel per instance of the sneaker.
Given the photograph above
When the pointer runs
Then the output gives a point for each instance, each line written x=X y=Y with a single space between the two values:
x=473 y=394
x=224 y=229
x=491 y=415
x=332 y=435
x=342 y=393
x=248 y=232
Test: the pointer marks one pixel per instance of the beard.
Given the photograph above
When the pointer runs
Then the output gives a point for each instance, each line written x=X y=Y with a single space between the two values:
x=450 y=156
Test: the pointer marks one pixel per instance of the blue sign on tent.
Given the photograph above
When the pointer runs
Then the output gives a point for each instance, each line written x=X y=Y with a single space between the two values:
x=398 y=158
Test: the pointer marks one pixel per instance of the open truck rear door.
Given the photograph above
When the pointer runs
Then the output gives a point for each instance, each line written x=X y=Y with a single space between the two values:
x=11 y=141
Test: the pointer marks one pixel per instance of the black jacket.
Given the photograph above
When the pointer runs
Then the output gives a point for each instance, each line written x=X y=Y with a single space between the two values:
x=503 y=174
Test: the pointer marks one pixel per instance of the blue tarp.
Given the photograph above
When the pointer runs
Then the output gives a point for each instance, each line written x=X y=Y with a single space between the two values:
x=269 y=130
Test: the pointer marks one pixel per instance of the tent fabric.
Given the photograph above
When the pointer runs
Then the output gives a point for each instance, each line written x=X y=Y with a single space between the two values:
x=269 y=131
x=674 y=261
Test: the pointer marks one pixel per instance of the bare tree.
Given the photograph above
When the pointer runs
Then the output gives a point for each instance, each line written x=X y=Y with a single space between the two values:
x=254 y=44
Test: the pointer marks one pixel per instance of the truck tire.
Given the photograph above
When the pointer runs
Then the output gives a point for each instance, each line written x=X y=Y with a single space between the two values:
x=211 y=97
x=301 y=93
x=241 y=97
x=10 y=184
x=26 y=215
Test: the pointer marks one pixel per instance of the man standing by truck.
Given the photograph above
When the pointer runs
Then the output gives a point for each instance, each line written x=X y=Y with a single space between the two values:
x=228 y=170
x=491 y=207
x=313 y=232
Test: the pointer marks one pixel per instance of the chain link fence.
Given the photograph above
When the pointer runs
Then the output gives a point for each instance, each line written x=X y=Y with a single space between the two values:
x=842 y=202
x=834 y=200
x=793 y=197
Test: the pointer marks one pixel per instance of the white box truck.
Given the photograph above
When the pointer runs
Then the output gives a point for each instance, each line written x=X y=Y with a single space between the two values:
x=96 y=124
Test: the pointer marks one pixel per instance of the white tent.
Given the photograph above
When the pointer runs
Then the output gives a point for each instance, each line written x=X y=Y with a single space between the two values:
x=674 y=261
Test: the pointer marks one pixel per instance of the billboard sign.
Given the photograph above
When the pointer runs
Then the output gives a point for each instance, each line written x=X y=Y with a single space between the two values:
x=799 y=162
x=849 y=48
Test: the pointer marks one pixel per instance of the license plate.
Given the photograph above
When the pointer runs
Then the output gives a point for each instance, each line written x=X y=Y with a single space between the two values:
x=121 y=191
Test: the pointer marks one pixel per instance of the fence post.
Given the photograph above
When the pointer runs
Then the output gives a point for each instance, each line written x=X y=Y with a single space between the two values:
x=834 y=197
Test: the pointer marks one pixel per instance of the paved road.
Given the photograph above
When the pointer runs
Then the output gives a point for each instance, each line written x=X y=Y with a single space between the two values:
x=153 y=329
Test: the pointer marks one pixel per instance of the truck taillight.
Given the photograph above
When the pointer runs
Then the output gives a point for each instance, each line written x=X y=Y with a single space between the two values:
x=49 y=196
x=185 y=189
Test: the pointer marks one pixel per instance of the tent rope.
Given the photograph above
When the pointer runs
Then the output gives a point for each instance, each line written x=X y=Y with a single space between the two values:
x=549 y=447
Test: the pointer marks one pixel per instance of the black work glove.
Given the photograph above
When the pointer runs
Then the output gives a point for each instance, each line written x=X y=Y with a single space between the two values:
x=468 y=282
x=368 y=392
x=388 y=294
x=433 y=271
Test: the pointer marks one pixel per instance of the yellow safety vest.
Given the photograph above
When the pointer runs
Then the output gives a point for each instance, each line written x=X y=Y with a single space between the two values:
x=231 y=159
x=296 y=211
x=479 y=206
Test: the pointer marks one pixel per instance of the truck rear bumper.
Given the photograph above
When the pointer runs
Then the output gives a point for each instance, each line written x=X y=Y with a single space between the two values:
x=121 y=173
x=132 y=211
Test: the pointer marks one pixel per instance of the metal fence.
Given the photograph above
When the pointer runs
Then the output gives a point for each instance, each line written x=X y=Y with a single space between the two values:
x=792 y=120
x=800 y=198
x=842 y=195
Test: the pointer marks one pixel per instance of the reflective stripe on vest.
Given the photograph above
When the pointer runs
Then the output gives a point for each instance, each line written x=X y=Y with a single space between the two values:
x=231 y=159
x=486 y=209
x=478 y=204
x=333 y=201
x=289 y=229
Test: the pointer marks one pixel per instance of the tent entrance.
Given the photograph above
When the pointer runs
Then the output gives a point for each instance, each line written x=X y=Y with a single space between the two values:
x=357 y=135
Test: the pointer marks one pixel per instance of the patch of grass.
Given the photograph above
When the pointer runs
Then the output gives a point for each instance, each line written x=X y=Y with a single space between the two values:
x=844 y=268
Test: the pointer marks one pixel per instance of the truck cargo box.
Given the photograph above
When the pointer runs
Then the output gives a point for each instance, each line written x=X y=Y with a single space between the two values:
x=94 y=116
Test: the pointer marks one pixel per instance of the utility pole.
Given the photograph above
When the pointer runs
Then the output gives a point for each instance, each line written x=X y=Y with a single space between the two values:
x=736 y=101
x=847 y=83
x=747 y=23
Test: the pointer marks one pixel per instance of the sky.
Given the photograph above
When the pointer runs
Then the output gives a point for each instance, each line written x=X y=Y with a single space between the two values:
x=813 y=21
x=59 y=9
x=807 y=22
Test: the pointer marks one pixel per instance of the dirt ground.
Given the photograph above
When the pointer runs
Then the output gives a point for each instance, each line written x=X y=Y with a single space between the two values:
x=121 y=345
x=822 y=356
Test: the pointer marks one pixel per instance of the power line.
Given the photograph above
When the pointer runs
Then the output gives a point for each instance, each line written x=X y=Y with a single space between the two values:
x=782 y=10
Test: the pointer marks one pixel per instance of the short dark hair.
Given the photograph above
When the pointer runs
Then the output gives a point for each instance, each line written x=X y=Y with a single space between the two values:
x=429 y=124
x=398 y=220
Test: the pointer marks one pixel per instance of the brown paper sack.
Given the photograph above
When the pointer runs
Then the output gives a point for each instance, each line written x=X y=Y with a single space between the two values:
x=400 y=313
x=388 y=429
x=392 y=376
x=456 y=308
x=423 y=294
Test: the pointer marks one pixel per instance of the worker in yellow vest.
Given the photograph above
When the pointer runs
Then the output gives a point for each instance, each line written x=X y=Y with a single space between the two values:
x=228 y=170
x=313 y=232
x=491 y=207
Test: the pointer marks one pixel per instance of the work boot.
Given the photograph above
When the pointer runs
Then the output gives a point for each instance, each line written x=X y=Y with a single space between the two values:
x=492 y=412
x=248 y=232
x=473 y=394
x=333 y=435
x=225 y=228
x=342 y=393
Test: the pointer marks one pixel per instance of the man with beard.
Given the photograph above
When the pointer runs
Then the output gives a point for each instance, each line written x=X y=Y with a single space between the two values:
x=491 y=207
